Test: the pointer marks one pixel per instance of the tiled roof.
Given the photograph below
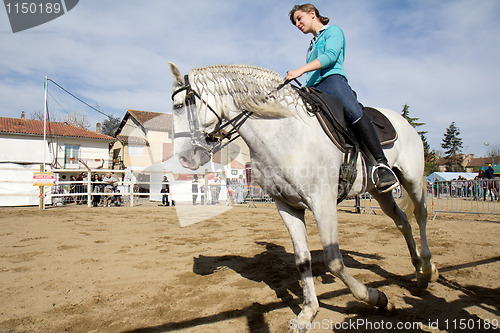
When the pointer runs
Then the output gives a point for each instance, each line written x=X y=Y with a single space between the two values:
x=35 y=127
x=132 y=139
x=483 y=161
x=153 y=120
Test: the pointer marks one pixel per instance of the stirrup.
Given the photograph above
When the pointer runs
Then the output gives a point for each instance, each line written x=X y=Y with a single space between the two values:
x=390 y=188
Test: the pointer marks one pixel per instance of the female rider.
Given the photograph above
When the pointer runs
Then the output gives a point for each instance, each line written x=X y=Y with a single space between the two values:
x=325 y=71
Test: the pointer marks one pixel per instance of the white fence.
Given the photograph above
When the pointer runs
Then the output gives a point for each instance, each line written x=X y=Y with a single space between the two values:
x=129 y=187
x=16 y=183
x=465 y=196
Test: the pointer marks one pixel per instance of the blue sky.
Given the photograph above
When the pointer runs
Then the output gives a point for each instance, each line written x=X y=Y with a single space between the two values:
x=439 y=57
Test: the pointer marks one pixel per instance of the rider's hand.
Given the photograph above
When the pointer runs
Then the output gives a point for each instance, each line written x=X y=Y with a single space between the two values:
x=290 y=75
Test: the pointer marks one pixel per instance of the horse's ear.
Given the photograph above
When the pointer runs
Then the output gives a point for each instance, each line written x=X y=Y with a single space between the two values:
x=176 y=72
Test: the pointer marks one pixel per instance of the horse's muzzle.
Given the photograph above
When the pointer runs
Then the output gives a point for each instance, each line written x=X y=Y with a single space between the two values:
x=194 y=158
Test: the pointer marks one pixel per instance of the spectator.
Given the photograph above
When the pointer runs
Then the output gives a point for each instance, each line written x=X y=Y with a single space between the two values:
x=109 y=183
x=489 y=173
x=436 y=187
x=203 y=196
x=165 y=189
x=79 y=189
x=215 y=188
x=97 y=187
x=118 y=198
x=194 y=188
x=73 y=188
x=240 y=190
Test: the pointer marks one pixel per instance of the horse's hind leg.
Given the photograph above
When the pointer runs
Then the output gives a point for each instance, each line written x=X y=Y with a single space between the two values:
x=416 y=191
x=391 y=209
x=426 y=272
x=295 y=223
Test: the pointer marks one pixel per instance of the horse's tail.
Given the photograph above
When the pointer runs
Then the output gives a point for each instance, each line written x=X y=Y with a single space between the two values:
x=407 y=206
x=406 y=203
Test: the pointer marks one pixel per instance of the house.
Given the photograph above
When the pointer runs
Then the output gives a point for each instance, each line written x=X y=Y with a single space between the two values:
x=24 y=150
x=478 y=163
x=144 y=138
x=22 y=142
x=145 y=145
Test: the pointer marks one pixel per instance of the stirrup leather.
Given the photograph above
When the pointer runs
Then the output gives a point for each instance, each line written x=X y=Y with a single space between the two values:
x=392 y=187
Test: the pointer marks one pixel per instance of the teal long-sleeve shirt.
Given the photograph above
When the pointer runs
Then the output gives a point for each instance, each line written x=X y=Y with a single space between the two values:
x=329 y=48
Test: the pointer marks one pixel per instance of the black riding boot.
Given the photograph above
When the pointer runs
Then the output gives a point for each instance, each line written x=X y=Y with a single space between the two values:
x=385 y=180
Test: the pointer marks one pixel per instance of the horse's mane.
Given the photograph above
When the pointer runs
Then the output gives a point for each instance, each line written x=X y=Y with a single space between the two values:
x=252 y=89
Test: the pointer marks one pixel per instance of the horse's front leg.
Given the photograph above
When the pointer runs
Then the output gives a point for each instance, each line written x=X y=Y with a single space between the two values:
x=295 y=223
x=326 y=219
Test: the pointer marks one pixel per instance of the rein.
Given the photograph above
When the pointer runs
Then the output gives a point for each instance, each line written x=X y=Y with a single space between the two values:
x=218 y=135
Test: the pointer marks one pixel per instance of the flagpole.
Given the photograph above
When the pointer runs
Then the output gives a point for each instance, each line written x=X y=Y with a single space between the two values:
x=45 y=125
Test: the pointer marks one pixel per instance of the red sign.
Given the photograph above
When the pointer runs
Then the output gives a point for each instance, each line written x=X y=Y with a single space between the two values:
x=43 y=178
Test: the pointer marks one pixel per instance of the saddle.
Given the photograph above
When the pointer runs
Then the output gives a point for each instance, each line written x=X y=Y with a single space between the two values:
x=329 y=111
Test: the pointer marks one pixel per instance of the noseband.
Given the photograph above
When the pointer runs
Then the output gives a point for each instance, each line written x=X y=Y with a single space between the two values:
x=213 y=141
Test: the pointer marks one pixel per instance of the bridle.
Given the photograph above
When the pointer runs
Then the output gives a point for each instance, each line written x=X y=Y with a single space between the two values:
x=219 y=134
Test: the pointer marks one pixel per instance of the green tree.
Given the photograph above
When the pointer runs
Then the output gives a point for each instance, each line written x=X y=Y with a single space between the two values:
x=452 y=144
x=413 y=121
x=431 y=160
x=110 y=125
x=429 y=154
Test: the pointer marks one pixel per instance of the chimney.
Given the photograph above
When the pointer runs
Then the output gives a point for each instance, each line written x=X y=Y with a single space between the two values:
x=23 y=116
x=98 y=127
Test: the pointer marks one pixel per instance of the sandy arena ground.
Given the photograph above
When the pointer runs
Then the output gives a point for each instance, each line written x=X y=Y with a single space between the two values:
x=123 y=269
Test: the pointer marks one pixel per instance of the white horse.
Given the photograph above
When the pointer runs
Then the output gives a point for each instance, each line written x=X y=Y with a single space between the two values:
x=297 y=165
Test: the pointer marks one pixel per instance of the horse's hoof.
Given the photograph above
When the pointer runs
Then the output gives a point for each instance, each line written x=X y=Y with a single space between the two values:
x=303 y=321
x=298 y=329
x=423 y=280
x=382 y=301
x=435 y=273
x=384 y=304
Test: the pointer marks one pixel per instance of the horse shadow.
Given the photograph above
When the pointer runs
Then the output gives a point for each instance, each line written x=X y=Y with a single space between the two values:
x=427 y=310
x=272 y=266
x=276 y=268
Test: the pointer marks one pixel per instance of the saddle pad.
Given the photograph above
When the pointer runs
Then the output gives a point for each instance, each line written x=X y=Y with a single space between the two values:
x=385 y=131
x=329 y=111
x=335 y=136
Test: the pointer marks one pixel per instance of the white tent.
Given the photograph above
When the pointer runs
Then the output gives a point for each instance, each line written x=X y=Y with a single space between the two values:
x=181 y=190
x=445 y=176
x=16 y=185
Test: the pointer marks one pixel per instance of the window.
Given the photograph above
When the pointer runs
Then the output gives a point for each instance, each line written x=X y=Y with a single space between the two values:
x=135 y=150
x=71 y=154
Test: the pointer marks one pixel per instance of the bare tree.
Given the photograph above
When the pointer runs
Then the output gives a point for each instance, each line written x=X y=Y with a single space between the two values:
x=493 y=151
x=38 y=115
x=80 y=120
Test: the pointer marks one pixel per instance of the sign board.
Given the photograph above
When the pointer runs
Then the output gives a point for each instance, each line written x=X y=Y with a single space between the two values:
x=43 y=178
